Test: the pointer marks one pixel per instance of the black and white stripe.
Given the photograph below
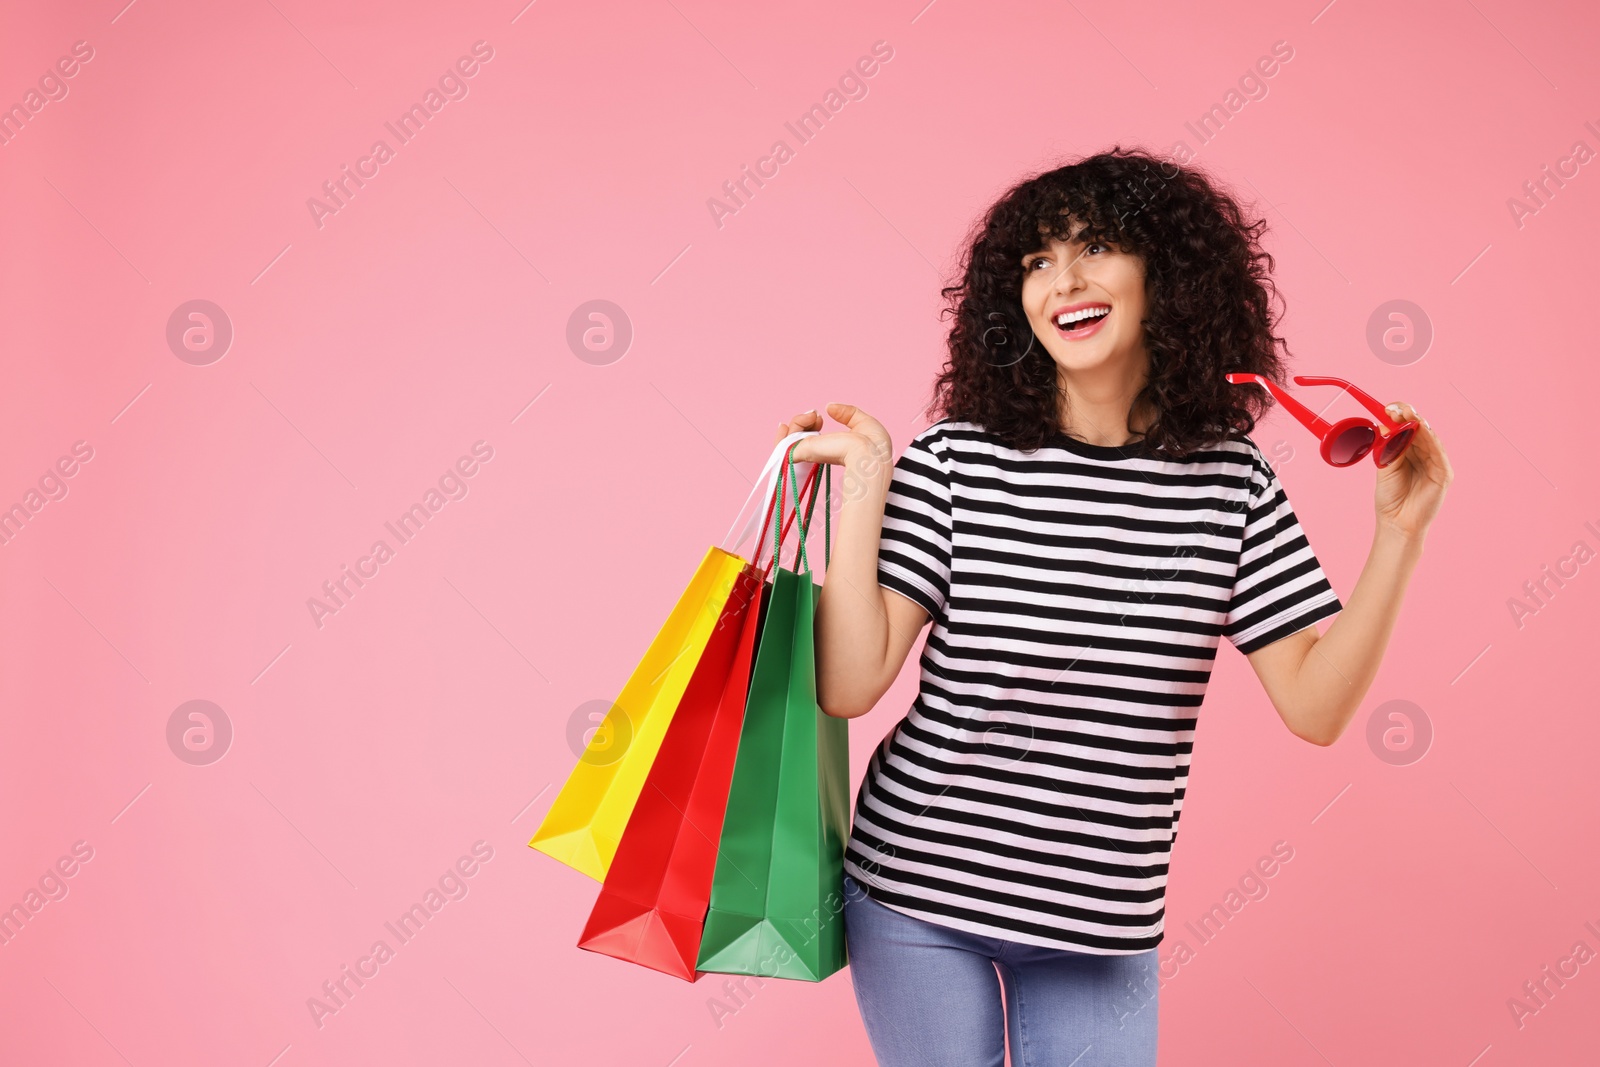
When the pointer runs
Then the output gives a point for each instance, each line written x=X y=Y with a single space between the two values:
x=1078 y=594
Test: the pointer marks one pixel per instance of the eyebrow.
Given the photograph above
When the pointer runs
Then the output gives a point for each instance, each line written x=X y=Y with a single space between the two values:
x=1074 y=240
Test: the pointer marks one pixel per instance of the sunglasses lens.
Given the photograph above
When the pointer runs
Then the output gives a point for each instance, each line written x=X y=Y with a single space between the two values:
x=1351 y=445
x=1395 y=446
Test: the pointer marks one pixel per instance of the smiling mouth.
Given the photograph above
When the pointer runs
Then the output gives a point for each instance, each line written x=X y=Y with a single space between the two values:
x=1081 y=327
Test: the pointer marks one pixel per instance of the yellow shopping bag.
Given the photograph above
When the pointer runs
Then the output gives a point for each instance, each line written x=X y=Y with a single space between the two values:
x=586 y=820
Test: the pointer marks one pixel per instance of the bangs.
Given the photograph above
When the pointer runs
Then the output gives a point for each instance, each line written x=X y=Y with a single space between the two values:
x=1070 y=216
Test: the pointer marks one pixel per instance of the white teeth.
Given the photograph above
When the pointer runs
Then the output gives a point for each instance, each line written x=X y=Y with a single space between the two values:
x=1078 y=316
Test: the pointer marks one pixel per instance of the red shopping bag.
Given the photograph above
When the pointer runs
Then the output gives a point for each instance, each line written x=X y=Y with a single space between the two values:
x=652 y=904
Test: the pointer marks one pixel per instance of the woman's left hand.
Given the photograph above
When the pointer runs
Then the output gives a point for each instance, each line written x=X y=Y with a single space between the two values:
x=1411 y=489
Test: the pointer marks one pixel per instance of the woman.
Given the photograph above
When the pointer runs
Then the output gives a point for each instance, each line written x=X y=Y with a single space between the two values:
x=1084 y=523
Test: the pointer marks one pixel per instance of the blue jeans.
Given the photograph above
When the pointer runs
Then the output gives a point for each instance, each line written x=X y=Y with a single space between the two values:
x=930 y=997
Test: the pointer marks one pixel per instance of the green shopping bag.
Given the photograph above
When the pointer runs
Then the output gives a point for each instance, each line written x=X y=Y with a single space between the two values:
x=777 y=897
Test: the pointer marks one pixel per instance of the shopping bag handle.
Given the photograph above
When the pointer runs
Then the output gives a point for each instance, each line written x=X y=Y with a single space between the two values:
x=802 y=564
x=777 y=542
x=766 y=482
x=792 y=477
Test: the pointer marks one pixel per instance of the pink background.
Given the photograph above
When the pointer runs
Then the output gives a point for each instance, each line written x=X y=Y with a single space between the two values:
x=432 y=711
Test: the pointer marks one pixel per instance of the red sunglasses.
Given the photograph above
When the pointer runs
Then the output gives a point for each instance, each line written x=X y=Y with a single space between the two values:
x=1348 y=440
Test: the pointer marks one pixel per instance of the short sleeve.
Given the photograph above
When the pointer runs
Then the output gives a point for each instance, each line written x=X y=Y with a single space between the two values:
x=914 y=551
x=1279 y=587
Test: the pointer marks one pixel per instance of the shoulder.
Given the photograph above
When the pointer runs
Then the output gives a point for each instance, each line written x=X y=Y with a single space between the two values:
x=937 y=432
x=937 y=440
x=947 y=433
x=1234 y=469
x=1238 y=447
x=1243 y=458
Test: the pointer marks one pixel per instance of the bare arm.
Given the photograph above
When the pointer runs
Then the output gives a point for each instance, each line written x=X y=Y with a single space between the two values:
x=1318 y=683
x=863 y=631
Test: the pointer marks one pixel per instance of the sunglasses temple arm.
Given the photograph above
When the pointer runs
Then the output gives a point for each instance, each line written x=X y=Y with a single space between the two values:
x=1308 y=418
x=1363 y=398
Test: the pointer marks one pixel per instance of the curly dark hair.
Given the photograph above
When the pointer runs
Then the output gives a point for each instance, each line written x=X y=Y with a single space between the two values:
x=1209 y=299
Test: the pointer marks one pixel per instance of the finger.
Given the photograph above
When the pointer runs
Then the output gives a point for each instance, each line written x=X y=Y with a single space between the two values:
x=864 y=425
x=851 y=415
x=1436 y=463
x=1400 y=411
x=806 y=420
x=1426 y=454
x=1404 y=412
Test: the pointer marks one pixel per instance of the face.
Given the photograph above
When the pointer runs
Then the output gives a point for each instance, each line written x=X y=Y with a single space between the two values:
x=1103 y=290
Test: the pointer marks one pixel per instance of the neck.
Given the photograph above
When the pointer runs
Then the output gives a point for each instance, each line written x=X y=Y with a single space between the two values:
x=1097 y=405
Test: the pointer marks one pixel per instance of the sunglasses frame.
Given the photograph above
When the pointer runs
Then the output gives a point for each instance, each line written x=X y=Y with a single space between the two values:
x=1384 y=429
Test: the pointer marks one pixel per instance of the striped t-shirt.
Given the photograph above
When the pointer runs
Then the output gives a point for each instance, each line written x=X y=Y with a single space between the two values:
x=1077 y=595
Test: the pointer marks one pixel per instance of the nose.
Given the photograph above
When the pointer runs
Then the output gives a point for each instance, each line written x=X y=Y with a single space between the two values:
x=1068 y=277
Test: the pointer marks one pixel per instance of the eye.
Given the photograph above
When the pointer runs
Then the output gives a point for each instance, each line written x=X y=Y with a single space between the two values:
x=1028 y=267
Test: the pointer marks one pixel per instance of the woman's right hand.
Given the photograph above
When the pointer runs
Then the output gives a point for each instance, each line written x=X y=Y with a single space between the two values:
x=864 y=439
